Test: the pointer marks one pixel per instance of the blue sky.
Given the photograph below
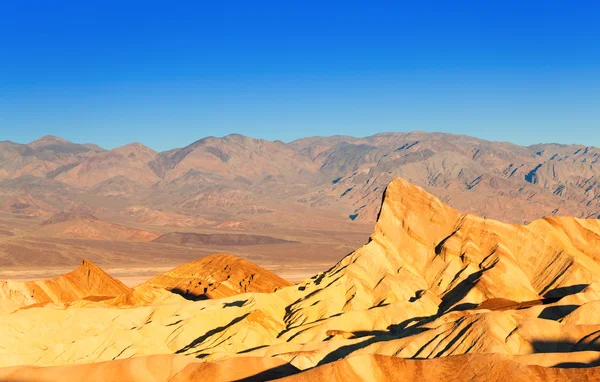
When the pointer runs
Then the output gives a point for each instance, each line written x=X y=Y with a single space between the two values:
x=169 y=73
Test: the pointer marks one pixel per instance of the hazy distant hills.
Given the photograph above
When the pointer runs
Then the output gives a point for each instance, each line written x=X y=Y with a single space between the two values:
x=217 y=179
x=498 y=180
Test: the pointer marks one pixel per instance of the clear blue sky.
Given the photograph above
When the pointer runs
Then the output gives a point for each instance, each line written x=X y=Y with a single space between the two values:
x=168 y=73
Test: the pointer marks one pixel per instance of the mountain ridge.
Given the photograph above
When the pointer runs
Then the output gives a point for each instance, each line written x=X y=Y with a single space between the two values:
x=215 y=178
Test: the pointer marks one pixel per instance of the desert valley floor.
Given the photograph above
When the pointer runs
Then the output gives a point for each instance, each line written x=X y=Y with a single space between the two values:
x=293 y=253
x=434 y=295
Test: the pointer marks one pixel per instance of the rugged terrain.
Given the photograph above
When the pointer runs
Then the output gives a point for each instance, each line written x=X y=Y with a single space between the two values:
x=433 y=291
x=317 y=198
x=243 y=179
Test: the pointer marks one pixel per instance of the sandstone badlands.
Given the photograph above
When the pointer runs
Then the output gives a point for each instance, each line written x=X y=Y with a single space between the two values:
x=435 y=294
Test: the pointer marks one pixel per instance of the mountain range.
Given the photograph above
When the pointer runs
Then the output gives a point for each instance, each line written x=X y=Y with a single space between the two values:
x=238 y=180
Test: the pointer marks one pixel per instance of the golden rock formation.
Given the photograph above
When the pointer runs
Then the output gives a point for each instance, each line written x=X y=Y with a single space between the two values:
x=86 y=281
x=217 y=276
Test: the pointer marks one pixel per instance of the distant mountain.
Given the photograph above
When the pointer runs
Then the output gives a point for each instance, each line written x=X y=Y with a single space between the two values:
x=130 y=161
x=495 y=179
x=47 y=156
x=235 y=157
x=221 y=179
x=54 y=144
x=87 y=226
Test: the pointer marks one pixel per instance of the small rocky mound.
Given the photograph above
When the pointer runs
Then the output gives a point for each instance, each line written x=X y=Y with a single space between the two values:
x=217 y=276
x=85 y=281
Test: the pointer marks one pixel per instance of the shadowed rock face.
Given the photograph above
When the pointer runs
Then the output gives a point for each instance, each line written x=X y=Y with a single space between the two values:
x=432 y=284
